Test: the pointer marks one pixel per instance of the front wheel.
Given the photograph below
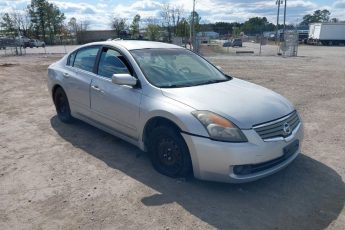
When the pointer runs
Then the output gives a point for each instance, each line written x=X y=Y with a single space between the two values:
x=62 y=106
x=169 y=153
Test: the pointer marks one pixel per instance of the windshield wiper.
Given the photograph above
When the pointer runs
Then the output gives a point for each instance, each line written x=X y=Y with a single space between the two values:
x=195 y=84
x=212 y=81
x=176 y=86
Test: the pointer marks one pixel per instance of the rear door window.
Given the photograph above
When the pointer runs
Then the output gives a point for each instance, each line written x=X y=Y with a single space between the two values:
x=85 y=58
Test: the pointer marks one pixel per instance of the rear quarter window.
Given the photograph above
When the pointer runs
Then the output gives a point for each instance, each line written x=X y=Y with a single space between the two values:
x=71 y=58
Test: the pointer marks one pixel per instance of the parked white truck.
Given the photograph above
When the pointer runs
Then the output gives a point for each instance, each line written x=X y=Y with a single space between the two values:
x=326 y=33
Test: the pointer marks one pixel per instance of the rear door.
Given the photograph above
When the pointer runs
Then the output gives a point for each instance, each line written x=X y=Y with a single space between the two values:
x=78 y=77
x=116 y=106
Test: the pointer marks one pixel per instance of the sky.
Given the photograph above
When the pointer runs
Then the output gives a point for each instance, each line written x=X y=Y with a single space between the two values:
x=99 y=12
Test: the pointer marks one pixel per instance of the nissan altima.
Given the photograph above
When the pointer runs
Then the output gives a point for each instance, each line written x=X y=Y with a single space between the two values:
x=189 y=116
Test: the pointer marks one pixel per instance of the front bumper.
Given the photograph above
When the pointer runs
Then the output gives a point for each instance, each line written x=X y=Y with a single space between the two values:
x=215 y=160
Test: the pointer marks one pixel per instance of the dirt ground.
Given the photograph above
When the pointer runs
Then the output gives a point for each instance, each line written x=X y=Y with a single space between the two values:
x=58 y=176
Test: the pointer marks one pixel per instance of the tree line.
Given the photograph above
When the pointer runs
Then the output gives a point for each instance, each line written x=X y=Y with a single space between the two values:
x=41 y=20
x=178 y=25
x=174 y=21
x=318 y=16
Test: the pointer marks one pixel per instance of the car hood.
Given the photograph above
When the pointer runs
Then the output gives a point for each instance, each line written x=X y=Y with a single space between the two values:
x=245 y=104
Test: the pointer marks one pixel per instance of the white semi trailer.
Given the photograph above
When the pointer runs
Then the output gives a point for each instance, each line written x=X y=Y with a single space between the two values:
x=326 y=33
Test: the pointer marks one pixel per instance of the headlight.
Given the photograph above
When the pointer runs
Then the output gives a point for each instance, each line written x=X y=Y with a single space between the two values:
x=219 y=128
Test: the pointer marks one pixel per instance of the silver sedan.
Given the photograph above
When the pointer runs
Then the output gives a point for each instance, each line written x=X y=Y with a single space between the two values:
x=189 y=116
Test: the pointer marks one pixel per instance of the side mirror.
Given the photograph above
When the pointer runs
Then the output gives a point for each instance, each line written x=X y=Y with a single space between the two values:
x=124 y=79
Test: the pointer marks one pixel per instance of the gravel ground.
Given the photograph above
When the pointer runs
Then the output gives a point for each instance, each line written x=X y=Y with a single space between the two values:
x=58 y=176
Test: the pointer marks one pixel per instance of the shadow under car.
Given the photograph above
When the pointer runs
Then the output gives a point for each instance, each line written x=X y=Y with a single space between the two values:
x=306 y=195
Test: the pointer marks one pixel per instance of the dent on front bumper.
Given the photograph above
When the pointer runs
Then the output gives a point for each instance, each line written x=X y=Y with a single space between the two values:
x=215 y=161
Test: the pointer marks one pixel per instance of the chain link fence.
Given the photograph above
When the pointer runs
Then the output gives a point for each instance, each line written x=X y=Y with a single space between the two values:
x=253 y=45
x=289 y=46
x=11 y=47
x=250 y=47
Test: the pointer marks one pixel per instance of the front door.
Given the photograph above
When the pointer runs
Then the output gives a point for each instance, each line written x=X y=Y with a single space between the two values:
x=116 y=106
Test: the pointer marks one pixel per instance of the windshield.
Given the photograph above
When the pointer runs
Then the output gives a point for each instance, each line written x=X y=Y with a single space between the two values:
x=170 y=68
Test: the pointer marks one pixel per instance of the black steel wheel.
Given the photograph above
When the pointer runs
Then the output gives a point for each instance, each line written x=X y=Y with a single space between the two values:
x=62 y=106
x=169 y=153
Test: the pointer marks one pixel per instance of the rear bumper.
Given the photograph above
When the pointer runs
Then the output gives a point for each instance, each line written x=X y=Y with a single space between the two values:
x=215 y=161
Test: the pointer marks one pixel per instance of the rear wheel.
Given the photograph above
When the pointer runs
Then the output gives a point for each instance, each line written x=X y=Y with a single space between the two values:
x=169 y=153
x=62 y=106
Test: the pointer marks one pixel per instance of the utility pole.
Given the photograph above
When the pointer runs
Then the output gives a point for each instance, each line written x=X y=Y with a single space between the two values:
x=284 y=17
x=193 y=27
x=190 y=34
x=277 y=29
x=20 y=43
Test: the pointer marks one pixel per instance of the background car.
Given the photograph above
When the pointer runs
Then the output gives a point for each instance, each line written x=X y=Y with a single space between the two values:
x=2 y=43
x=23 y=41
x=37 y=43
x=189 y=116
x=233 y=43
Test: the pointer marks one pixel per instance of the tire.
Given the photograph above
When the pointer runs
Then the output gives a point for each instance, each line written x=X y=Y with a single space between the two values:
x=62 y=106
x=169 y=153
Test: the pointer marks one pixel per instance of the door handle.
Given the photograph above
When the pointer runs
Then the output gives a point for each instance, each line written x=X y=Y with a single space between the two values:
x=66 y=75
x=95 y=87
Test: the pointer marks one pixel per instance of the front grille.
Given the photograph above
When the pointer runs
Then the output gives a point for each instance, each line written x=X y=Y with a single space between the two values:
x=275 y=128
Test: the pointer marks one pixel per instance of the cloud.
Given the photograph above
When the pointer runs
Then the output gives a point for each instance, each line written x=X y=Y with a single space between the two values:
x=97 y=14
x=17 y=1
x=88 y=11
x=240 y=11
x=339 y=4
x=146 y=5
x=13 y=5
x=146 y=8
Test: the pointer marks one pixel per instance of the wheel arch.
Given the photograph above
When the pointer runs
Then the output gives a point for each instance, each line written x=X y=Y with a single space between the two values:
x=154 y=122
x=182 y=120
x=55 y=87
x=158 y=121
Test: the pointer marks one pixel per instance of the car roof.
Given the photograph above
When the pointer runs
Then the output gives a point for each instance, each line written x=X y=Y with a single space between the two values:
x=135 y=44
